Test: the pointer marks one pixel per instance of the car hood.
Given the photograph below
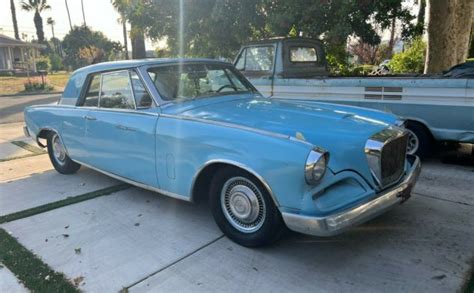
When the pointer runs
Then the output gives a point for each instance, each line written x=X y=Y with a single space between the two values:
x=341 y=130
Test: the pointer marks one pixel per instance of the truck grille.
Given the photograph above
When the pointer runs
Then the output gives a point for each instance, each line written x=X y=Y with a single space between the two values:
x=393 y=160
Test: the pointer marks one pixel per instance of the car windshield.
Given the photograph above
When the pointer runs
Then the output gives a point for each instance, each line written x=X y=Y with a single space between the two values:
x=191 y=81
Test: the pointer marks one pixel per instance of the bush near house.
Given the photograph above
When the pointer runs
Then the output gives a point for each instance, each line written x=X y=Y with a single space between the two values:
x=38 y=85
x=412 y=60
x=43 y=63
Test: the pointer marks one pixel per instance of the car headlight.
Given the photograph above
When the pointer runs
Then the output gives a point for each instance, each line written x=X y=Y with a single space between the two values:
x=316 y=165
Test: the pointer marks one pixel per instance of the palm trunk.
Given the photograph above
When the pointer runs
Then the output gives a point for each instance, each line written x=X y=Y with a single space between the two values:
x=15 y=23
x=138 y=43
x=68 y=15
x=125 y=40
x=83 y=14
x=39 y=27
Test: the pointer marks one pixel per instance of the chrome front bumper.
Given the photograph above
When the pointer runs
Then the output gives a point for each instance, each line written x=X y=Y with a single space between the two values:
x=340 y=222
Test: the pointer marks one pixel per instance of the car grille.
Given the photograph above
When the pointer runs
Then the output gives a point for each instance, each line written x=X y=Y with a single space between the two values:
x=393 y=160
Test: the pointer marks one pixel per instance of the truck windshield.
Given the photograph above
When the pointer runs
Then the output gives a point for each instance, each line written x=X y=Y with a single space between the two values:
x=191 y=81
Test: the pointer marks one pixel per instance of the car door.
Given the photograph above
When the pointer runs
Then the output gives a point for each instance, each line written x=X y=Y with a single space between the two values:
x=120 y=138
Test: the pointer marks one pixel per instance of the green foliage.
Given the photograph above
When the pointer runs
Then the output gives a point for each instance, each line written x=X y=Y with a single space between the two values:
x=82 y=39
x=412 y=60
x=337 y=58
x=37 y=85
x=56 y=62
x=43 y=63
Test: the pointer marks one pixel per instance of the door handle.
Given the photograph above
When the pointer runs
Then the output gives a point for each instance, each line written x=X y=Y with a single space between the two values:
x=87 y=117
x=123 y=127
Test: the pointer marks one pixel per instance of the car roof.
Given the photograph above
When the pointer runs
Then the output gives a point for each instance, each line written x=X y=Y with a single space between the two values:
x=114 y=65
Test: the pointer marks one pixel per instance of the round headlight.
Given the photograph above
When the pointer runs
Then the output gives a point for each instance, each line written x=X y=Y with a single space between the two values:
x=316 y=165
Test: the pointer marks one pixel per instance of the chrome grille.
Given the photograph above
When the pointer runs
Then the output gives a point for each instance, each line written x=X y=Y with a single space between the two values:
x=393 y=159
x=386 y=154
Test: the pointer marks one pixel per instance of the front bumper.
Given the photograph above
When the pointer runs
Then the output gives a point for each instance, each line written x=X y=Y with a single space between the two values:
x=340 y=222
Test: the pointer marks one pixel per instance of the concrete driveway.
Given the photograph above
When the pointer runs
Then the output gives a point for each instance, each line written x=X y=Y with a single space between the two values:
x=117 y=237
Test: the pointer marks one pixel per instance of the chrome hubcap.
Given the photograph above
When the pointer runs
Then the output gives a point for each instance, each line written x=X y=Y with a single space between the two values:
x=243 y=205
x=413 y=142
x=58 y=149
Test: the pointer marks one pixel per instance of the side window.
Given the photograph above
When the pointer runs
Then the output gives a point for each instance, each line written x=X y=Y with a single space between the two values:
x=117 y=91
x=256 y=59
x=303 y=54
x=142 y=98
x=92 y=94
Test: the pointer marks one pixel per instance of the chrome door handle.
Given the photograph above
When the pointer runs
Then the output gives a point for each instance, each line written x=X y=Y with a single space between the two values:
x=122 y=127
x=87 y=117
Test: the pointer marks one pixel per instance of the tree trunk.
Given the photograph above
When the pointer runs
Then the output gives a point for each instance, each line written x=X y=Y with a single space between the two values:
x=441 y=52
x=68 y=15
x=15 y=23
x=463 y=15
x=83 y=14
x=39 y=27
x=138 y=43
x=125 y=39
x=391 y=42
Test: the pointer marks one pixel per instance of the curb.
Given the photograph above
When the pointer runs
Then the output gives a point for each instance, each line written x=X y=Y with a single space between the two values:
x=31 y=94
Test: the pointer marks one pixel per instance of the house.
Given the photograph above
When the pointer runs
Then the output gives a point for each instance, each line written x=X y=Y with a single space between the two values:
x=17 y=56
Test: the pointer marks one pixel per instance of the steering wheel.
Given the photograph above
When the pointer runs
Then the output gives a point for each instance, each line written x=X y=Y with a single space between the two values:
x=226 y=86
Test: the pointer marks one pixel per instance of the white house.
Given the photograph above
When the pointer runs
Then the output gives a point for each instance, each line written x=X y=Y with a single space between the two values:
x=18 y=56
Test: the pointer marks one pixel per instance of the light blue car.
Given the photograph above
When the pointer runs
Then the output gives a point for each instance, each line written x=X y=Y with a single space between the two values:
x=196 y=128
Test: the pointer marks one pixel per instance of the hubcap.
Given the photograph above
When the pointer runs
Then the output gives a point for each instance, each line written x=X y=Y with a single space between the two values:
x=243 y=205
x=58 y=149
x=413 y=142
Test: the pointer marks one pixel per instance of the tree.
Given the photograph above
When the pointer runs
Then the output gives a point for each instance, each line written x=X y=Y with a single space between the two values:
x=68 y=15
x=82 y=47
x=15 y=23
x=37 y=6
x=51 y=22
x=83 y=14
x=449 y=30
x=137 y=13
x=411 y=60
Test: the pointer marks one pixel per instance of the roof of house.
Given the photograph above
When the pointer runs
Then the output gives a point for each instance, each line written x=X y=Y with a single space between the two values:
x=6 y=41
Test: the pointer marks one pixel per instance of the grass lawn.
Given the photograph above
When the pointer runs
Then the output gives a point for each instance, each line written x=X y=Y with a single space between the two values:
x=14 y=85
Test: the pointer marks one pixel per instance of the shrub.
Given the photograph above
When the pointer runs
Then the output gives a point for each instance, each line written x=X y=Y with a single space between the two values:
x=43 y=63
x=37 y=85
x=56 y=62
x=412 y=60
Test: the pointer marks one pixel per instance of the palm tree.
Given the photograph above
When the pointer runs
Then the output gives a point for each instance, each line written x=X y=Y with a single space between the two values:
x=51 y=22
x=83 y=14
x=68 y=15
x=15 y=23
x=123 y=19
x=37 y=6
x=129 y=10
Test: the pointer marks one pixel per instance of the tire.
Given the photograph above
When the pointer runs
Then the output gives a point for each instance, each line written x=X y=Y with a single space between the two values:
x=233 y=193
x=425 y=140
x=58 y=155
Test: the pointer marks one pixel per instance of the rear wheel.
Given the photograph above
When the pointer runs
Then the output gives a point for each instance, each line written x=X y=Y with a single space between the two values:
x=420 y=142
x=243 y=208
x=58 y=155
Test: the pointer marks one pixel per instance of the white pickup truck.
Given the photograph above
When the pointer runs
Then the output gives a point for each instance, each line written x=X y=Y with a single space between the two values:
x=435 y=108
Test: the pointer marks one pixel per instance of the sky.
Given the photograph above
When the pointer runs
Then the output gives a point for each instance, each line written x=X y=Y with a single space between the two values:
x=100 y=15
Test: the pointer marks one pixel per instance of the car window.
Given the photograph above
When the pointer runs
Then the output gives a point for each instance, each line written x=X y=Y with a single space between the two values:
x=256 y=59
x=191 y=81
x=116 y=91
x=92 y=94
x=303 y=54
x=142 y=97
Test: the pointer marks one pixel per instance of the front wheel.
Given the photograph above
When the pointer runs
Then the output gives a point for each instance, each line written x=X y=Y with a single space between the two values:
x=58 y=155
x=420 y=142
x=243 y=209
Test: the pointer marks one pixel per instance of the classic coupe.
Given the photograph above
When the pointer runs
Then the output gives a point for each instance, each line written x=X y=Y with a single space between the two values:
x=196 y=128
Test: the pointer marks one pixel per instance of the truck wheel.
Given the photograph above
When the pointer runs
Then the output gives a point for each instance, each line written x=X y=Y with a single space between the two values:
x=243 y=208
x=420 y=142
x=58 y=156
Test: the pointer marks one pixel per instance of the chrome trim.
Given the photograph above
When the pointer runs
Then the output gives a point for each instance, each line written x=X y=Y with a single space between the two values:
x=26 y=132
x=313 y=158
x=373 y=150
x=236 y=164
x=340 y=222
x=235 y=126
x=400 y=123
x=135 y=183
